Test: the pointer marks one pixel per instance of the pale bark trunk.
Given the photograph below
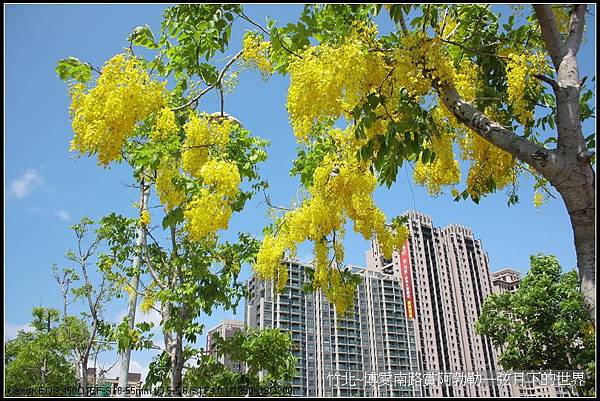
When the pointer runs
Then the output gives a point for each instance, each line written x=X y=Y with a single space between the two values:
x=84 y=376
x=580 y=202
x=576 y=180
x=176 y=366
x=174 y=346
x=131 y=308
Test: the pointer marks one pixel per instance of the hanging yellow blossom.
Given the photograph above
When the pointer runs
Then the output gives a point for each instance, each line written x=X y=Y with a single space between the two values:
x=222 y=176
x=538 y=199
x=170 y=196
x=342 y=188
x=206 y=214
x=523 y=88
x=144 y=218
x=269 y=259
x=202 y=132
x=149 y=298
x=444 y=170
x=106 y=115
x=489 y=162
x=165 y=125
x=337 y=78
x=256 y=53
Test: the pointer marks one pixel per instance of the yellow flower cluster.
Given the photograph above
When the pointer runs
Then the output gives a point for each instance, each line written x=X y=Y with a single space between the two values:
x=329 y=279
x=523 y=88
x=170 y=196
x=269 y=262
x=210 y=209
x=488 y=160
x=147 y=302
x=223 y=177
x=330 y=81
x=206 y=137
x=144 y=218
x=339 y=292
x=444 y=170
x=538 y=199
x=467 y=79
x=206 y=214
x=421 y=63
x=202 y=132
x=149 y=297
x=165 y=125
x=106 y=115
x=256 y=53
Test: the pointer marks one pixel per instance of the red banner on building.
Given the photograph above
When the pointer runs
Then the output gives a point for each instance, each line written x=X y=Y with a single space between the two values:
x=406 y=273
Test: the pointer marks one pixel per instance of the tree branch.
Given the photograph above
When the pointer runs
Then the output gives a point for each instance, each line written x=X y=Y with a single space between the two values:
x=547 y=80
x=575 y=29
x=543 y=160
x=256 y=24
x=151 y=270
x=268 y=201
x=472 y=50
x=550 y=32
x=215 y=84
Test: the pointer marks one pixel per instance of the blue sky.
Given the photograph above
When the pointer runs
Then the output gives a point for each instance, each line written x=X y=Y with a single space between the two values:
x=47 y=189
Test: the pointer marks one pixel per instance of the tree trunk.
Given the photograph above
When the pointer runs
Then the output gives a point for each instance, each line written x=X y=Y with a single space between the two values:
x=576 y=180
x=131 y=305
x=84 y=376
x=174 y=346
x=577 y=191
x=176 y=366
x=176 y=349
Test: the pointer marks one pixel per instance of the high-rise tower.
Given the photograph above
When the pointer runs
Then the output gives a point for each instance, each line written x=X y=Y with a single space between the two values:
x=446 y=277
x=363 y=353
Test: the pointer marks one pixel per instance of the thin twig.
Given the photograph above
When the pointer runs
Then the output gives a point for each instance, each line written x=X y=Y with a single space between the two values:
x=216 y=83
x=256 y=24
x=268 y=201
x=474 y=51
x=222 y=101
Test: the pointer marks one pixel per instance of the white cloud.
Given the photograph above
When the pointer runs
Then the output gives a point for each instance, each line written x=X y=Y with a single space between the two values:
x=11 y=330
x=23 y=185
x=63 y=214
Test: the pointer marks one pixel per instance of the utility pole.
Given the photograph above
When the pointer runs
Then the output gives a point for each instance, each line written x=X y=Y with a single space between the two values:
x=132 y=303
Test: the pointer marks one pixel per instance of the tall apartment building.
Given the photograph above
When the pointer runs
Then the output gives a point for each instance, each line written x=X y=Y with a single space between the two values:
x=364 y=353
x=226 y=328
x=447 y=274
x=505 y=280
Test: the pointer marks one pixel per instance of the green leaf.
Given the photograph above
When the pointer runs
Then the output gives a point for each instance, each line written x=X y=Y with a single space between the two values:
x=426 y=156
x=142 y=36
x=174 y=217
x=208 y=72
x=72 y=68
